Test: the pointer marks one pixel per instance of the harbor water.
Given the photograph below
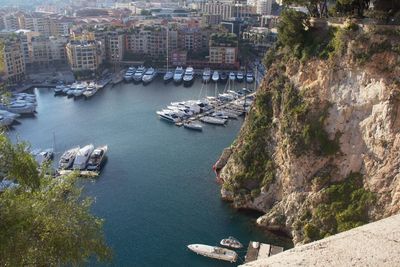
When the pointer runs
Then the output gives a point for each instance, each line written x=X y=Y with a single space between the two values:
x=157 y=192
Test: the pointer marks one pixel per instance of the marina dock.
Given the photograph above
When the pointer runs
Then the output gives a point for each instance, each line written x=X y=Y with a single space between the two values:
x=257 y=251
x=83 y=174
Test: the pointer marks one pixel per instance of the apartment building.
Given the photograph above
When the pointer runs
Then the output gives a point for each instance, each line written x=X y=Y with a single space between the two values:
x=223 y=49
x=227 y=9
x=48 y=51
x=13 y=64
x=84 y=55
x=264 y=7
x=11 y=22
x=37 y=22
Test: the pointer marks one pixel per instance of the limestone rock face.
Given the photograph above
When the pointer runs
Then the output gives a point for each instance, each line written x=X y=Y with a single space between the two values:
x=364 y=112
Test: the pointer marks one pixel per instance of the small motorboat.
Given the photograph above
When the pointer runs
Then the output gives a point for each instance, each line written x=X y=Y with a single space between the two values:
x=97 y=158
x=224 y=77
x=232 y=76
x=168 y=76
x=231 y=242
x=215 y=76
x=206 y=75
x=193 y=126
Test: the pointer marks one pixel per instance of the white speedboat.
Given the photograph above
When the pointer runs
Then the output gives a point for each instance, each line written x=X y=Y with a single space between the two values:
x=231 y=242
x=67 y=159
x=169 y=75
x=206 y=75
x=82 y=157
x=90 y=91
x=97 y=158
x=137 y=77
x=232 y=76
x=178 y=75
x=215 y=76
x=193 y=126
x=149 y=75
x=188 y=78
x=212 y=120
x=129 y=74
x=249 y=77
x=168 y=116
x=240 y=76
x=214 y=252
x=59 y=89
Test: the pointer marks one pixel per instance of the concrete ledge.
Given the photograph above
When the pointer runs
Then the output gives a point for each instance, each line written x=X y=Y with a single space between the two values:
x=374 y=244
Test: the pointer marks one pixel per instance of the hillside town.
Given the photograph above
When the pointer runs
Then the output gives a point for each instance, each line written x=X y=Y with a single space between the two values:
x=88 y=37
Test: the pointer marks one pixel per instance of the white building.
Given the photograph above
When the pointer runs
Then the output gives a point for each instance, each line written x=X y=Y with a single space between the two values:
x=264 y=7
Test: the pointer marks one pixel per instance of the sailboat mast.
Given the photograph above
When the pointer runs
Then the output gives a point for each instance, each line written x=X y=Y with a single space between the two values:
x=167 y=45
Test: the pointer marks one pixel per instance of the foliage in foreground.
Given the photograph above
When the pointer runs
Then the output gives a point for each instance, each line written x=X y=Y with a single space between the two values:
x=344 y=206
x=44 y=221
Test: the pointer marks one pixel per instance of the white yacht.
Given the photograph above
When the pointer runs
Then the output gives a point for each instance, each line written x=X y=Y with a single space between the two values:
x=168 y=116
x=129 y=74
x=212 y=120
x=97 y=158
x=193 y=126
x=79 y=90
x=214 y=252
x=215 y=76
x=188 y=78
x=20 y=107
x=137 y=77
x=82 y=157
x=249 y=77
x=240 y=76
x=149 y=75
x=59 y=89
x=168 y=76
x=178 y=75
x=90 y=90
x=232 y=76
x=206 y=75
x=67 y=159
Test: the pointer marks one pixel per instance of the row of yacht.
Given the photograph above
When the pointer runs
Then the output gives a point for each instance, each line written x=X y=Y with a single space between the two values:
x=83 y=158
x=12 y=107
x=140 y=74
x=211 y=110
x=186 y=76
x=78 y=89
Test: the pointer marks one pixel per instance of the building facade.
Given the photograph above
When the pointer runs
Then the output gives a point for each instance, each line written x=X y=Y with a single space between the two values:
x=84 y=55
x=13 y=64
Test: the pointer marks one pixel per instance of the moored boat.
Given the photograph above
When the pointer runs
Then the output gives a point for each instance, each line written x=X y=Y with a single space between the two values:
x=240 y=76
x=224 y=77
x=193 y=126
x=97 y=159
x=206 y=75
x=67 y=159
x=215 y=76
x=249 y=77
x=188 y=78
x=5 y=121
x=44 y=156
x=168 y=76
x=231 y=242
x=212 y=120
x=178 y=75
x=214 y=252
x=232 y=76
x=129 y=74
x=137 y=77
x=82 y=157
x=149 y=75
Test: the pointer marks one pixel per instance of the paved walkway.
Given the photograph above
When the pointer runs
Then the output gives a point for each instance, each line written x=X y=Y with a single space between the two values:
x=374 y=244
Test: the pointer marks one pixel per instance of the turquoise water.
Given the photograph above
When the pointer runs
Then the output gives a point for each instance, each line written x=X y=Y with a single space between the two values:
x=157 y=192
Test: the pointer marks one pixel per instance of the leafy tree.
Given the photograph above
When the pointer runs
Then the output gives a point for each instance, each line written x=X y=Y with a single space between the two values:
x=352 y=7
x=44 y=221
x=316 y=8
x=292 y=29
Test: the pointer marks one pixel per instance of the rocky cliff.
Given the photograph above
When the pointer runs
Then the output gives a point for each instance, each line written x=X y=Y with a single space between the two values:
x=319 y=152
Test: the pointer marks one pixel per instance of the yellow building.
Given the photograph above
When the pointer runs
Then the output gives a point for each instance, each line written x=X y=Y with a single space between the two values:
x=84 y=55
